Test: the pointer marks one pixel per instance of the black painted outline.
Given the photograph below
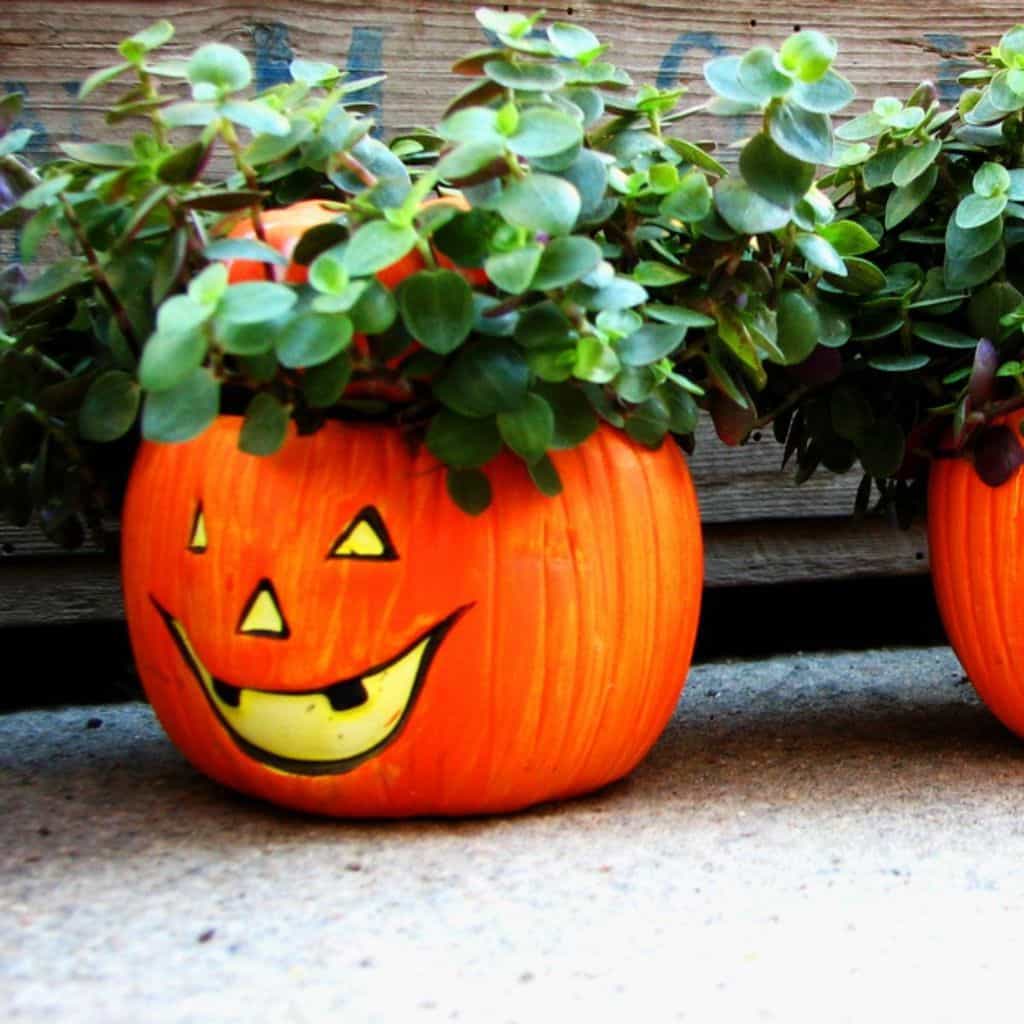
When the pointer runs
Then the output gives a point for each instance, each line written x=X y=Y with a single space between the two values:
x=292 y=765
x=373 y=518
x=264 y=585
x=195 y=548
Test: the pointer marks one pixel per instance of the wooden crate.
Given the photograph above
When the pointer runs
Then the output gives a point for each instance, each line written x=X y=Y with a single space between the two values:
x=759 y=528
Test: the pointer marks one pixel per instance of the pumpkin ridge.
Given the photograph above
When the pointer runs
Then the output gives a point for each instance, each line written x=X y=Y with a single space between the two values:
x=620 y=631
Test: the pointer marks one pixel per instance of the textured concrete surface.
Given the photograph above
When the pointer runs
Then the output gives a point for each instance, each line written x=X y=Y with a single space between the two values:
x=835 y=838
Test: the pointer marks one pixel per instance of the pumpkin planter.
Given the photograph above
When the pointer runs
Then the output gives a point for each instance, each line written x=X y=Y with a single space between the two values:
x=975 y=543
x=325 y=629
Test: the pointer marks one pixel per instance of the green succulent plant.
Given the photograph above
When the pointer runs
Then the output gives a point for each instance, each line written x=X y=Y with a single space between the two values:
x=855 y=286
x=931 y=300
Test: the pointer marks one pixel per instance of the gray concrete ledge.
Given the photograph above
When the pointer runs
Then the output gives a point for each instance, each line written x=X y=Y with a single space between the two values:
x=827 y=838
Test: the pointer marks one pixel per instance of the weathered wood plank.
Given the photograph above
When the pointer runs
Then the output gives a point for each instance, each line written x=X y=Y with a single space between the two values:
x=886 y=48
x=741 y=554
x=35 y=591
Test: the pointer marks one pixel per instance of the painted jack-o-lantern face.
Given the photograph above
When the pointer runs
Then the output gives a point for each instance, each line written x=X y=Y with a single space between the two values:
x=325 y=729
x=324 y=628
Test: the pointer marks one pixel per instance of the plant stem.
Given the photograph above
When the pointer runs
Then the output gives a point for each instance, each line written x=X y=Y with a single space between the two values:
x=230 y=136
x=359 y=169
x=106 y=289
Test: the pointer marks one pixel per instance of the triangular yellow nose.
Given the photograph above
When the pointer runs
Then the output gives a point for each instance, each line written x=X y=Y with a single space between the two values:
x=262 y=615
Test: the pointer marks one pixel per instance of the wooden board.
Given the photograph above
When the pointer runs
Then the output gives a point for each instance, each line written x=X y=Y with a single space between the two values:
x=81 y=588
x=885 y=48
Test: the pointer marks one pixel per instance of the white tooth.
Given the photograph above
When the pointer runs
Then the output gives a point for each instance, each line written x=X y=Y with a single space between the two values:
x=304 y=726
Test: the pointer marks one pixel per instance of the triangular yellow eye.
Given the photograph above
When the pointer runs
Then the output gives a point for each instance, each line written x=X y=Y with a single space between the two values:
x=365 y=537
x=262 y=615
x=197 y=539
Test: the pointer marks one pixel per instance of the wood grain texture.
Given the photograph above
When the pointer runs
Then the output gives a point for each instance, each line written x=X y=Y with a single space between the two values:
x=885 y=48
x=35 y=591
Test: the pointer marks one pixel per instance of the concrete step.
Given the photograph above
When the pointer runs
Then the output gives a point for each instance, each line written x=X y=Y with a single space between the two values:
x=822 y=838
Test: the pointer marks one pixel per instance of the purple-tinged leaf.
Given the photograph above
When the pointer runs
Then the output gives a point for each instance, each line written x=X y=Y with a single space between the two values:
x=998 y=454
x=983 y=373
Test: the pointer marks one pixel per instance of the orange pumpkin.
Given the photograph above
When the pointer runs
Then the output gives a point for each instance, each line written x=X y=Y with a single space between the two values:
x=285 y=226
x=977 y=554
x=325 y=629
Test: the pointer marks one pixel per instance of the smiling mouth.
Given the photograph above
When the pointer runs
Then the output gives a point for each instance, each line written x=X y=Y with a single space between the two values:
x=323 y=731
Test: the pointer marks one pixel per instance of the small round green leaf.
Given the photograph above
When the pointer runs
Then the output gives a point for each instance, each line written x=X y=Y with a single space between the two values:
x=808 y=54
x=308 y=338
x=470 y=158
x=377 y=245
x=799 y=326
x=514 y=271
x=801 y=133
x=544 y=326
x=990 y=180
x=327 y=274
x=589 y=175
x=526 y=76
x=258 y=117
x=690 y=200
x=545 y=476
x=541 y=202
x=244 y=249
x=746 y=211
x=596 y=361
x=827 y=95
x=184 y=411
x=109 y=407
x=255 y=302
x=848 y=238
x=312 y=72
x=208 y=286
x=682 y=409
x=490 y=377
x=723 y=75
x=758 y=74
x=437 y=309
x=819 y=253
x=247 y=339
x=899 y=364
x=575 y=419
x=620 y=293
x=265 y=426
x=374 y=310
x=169 y=358
x=462 y=442
x=654 y=274
x=902 y=202
x=469 y=489
x=648 y=423
x=572 y=41
x=774 y=174
x=975 y=210
x=55 y=279
x=941 y=334
x=915 y=162
x=323 y=385
x=564 y=260
x=651 y=343
x=528 y=430
x=223 y=67
x=544 y=131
